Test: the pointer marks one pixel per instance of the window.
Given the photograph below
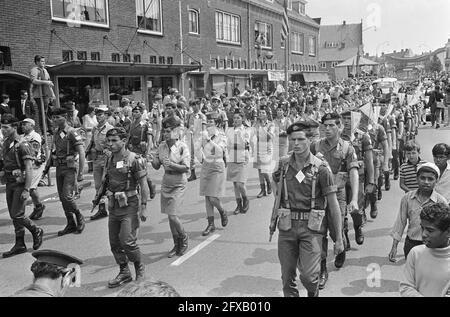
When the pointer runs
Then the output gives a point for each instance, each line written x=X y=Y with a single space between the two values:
x=88 y=89
x=137 y=58
x=228 y=28
x=312 y=46
x=95 y=56
x=5 y=56
x=255 y=65
x=153 y=59
x=193 y=22
x=214 y=63
x=297 y=42
x=283 y=41
x=263 y=34
x=293 y=67
x=149 y=16
x=126 y=58
x=67 y=56
x=238 y=64
x=302 y=9
x=289 y=4
x=162 y=60
x=87 y=12
x=334 y=64
x=169 y=60
x=275 y=66
x=323 y=64
x=244 y=64
x=82 y=55
x=115 y=57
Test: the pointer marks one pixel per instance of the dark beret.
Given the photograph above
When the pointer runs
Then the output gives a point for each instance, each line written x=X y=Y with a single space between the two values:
x=330 y=116
x=171 y=123
x=312 y=123
x=346 y=113
x=58 y=111
x=8 y=118
x=297 y=126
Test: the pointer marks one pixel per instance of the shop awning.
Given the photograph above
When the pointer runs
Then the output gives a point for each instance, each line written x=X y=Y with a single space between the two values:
x=315 y=77
x=237 y=72
x=75 y=68
x=5 y=74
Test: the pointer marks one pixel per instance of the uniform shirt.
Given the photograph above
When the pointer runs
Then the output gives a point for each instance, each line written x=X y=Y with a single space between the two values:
x=443 y=184
x=35 y=140
x=300 y=193
x=361 y=143
x=335 y=156
x=138 y=133
x=378 y=136
x=99 y=136
x=178 y=153
x=118 y=168
x=238 y=142
x=24 y=152
x=410 y=208
x=408 y=173
x=66 y=140
x=210 y=152
x=35 y=290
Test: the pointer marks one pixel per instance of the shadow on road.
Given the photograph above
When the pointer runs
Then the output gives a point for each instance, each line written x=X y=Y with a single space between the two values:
x=261 y=256
x=359 y=286
x=242 y=285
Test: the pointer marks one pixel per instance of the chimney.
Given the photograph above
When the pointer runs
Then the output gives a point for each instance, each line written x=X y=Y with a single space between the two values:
x=395 y=51
x=344 y=23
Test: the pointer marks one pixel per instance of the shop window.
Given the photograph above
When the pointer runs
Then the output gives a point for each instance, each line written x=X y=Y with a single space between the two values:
x=115 y=57
x=169 y=60
x=84 y=91
x=125 y=87
x=149 y=16
x=81 y=12
x=67 y=56
x=95 y=56
x=162 y=60
x=137 y=58
x=153 y=59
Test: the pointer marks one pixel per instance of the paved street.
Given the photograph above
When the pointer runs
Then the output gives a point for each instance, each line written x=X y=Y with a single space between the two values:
x=235 y=261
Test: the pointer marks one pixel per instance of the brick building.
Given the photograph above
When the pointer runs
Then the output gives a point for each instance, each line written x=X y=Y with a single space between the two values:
x=103 y=50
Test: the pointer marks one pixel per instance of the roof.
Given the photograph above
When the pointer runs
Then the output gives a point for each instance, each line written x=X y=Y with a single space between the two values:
x=349 y=34
x=352 y=61
x=13 y=74
x=113 y=68
x=336 y=54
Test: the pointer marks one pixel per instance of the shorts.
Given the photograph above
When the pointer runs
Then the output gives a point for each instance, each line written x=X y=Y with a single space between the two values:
x=37 y=175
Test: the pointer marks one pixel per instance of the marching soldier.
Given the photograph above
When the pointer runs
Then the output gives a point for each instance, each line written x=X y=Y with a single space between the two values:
x=140 y=141
x=196 y=123
x=126 y=171
x=69 y=159
x=99 y=152
x=341 y=157
x=35 y=141
x=306 y=184
x=17 y=171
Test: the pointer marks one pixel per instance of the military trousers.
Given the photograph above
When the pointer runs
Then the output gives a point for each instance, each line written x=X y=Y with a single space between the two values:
x=98 y=168
x=342 y=200
x=299 y=248
x=66 y=184
x=16 y=208
x=123 y=231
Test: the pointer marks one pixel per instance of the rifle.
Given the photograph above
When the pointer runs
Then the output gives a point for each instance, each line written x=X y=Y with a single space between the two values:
x=276 y=206
x=100 y=193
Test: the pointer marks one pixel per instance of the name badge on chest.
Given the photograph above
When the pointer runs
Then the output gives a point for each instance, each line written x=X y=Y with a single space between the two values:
x=62 y=135
x=119 y=164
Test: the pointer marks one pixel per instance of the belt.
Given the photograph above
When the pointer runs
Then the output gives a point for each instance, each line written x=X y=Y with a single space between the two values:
x=129 y=193
x=299 y=214
x=173 y=172
x=61 y=161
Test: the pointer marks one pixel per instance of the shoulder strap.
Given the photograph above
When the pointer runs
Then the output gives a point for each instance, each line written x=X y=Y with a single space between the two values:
x=16 y=153
x=283 y=176
x=313 y=186
x=345 y=147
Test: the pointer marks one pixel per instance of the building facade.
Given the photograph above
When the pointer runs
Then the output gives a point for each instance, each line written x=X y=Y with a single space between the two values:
x=104 y=50
x=339 y=43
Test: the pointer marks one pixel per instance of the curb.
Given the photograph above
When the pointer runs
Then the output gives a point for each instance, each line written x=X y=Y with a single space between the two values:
x=83 y=185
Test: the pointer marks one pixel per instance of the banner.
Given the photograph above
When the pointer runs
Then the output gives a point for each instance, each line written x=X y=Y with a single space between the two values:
x=355 y=122
x=275 y=75
x=401 y=97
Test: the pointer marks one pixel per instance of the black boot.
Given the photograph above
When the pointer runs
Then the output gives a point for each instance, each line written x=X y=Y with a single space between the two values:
x=339 y=260
x=139 y=268
x=373 y=205
x=101 y=213
x=183 y=243
x=223 y=217
x=245 y=204
x=152 y=189
x=269 y=188
x=358 y=220
x=210 y=228
x=175 y=248
x=90 y=167
x=80 y=221
x=345 y=232
x=380 y=184
x=262 y=192
x=38 y=233
x=70 y=227
x=37 y=212
x=123 y=277
x=323 y=277
x=239 y=208
x=314 y=294
x=387 y=181
x=18 y=248
x=193 y=177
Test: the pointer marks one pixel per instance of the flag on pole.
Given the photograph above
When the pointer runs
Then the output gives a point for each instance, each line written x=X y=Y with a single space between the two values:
x=285 y=22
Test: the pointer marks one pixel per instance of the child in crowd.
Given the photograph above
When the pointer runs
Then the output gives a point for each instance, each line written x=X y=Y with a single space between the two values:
x=408 y=170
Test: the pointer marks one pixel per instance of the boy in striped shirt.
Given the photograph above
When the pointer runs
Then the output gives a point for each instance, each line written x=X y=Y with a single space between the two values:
x=408 y=170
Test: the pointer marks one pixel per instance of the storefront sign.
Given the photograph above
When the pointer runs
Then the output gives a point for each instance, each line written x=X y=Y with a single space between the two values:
x=276 y=75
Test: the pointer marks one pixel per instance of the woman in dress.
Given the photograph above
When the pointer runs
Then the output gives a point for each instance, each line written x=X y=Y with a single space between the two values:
x=281 y=125
x=174 y=155
x=89 y=123
x=212 y=178
x=238 y=141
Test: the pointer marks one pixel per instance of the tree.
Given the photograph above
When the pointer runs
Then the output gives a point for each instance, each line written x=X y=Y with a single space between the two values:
x=434 y=65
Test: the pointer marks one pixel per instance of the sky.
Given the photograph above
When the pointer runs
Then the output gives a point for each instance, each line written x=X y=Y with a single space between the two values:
x=421 y=25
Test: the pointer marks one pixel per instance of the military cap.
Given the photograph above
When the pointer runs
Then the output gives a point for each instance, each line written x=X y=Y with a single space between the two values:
x=8 y=118
x=171 y=123
x=117 y=131
x=56 y=258
x=311 y=123
x=100 y=108
x=212 y=115
x=171 y=104
x=58 y=111
x=29 y=121
x=330 y=116
x=297 y=126
x=346 y=113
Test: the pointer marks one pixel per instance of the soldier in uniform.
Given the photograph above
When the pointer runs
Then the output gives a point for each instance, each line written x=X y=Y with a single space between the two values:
x=196 y=123
x=35 y=141
x=309 y=186
x=17 y=171
x=140 y=141
x=99 y=152
x=341 y=157
x=384 y=121
x=53 y=273
x=69 y=158
x=126 y=172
